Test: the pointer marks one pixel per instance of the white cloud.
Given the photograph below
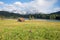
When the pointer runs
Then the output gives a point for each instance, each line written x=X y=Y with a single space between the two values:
x=55 y=9
x=45 y=6
x=9 y=7
x=17 y=4
x=1 y=3
x=41 y=5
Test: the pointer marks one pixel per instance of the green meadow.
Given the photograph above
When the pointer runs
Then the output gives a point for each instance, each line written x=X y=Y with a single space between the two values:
x=29 y=30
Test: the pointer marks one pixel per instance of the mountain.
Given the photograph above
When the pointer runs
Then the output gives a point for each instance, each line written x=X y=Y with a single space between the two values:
x=6 y=14
x=56 y=12
x=9 y=14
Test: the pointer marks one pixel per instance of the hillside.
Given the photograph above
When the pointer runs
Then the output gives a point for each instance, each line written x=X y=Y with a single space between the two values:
x=9 y=14
x=55 y=15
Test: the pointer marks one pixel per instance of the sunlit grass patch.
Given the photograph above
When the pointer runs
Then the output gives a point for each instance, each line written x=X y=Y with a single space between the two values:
x=29 y=30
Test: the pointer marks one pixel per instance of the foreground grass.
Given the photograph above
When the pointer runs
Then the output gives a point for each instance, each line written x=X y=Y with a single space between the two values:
x=29 y=30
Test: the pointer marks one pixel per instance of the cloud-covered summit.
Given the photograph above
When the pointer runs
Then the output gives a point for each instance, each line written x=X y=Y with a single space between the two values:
x=45 y=6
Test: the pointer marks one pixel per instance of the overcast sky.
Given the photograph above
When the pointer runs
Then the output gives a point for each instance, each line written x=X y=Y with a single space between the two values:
x=30 y=6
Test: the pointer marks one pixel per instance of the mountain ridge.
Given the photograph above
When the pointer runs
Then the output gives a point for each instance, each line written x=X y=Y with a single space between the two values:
x=7 y=14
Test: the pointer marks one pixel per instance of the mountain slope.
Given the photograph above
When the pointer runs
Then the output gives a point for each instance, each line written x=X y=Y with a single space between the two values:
x=55 y=15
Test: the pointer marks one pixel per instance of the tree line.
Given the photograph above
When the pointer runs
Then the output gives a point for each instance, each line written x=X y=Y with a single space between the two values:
x=5 y=14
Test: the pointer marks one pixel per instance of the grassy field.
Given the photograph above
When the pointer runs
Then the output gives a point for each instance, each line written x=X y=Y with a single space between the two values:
x=29 y=30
